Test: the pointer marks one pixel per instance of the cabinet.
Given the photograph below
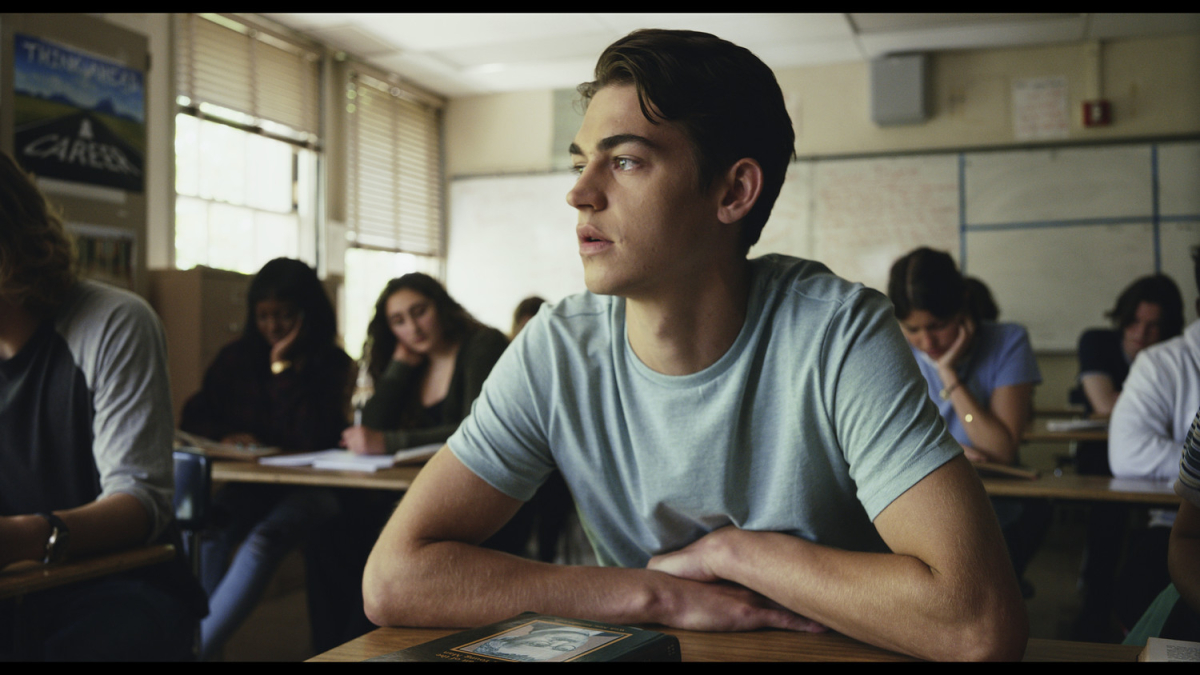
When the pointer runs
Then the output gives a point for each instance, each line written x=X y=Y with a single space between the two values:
x=202 y=310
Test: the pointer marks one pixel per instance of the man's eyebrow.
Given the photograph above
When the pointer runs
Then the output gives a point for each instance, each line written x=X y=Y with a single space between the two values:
x=613 y=141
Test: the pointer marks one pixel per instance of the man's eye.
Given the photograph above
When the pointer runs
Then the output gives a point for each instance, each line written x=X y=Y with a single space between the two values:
x=625 y=163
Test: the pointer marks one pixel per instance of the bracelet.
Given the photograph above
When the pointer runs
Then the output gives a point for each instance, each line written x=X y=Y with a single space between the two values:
x=946 y=391
x=278 y=367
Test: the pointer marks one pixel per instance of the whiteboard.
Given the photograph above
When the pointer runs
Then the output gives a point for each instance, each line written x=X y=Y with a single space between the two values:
x=1056 y=233
x=511 y=237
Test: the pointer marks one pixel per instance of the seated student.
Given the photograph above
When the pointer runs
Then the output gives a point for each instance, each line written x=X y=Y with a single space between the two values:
x=85 y=449
x=1148 y=311
x=284 y=383
x=526 y=309
x=1149 y=423
x=980 y=374
x=748 y=442
x=1183 y=557
x=427 y=357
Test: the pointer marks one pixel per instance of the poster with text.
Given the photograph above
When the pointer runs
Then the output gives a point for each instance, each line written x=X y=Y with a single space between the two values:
x=78 y=117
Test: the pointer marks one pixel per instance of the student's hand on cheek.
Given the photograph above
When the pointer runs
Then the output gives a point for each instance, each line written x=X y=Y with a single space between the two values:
x=280 y=349
x=405 y=355
x=958 y=349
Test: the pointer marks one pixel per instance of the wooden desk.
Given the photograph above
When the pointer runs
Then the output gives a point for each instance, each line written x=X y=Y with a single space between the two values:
x=755 y=646
x=28 y=577
x=1086 y=488
x=395 y=478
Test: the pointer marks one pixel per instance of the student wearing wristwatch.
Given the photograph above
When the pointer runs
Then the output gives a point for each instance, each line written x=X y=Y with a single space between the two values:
x=980 y=374
x=85 y=448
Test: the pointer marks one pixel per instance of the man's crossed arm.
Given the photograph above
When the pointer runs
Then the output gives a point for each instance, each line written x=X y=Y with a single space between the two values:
x=947 y=591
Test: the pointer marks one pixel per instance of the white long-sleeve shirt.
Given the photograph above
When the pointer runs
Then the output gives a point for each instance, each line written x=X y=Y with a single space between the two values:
x=1157 y=405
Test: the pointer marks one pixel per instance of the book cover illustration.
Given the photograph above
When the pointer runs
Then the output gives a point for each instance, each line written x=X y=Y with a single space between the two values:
x=540 y=638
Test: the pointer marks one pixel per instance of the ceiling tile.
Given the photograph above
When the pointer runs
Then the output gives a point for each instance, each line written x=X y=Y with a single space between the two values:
x=1105 y=26
x=974 y=37
x=893 y=23
x=547 y=48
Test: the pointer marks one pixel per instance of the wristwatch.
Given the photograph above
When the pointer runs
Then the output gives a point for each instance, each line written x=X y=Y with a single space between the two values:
x=57 y=542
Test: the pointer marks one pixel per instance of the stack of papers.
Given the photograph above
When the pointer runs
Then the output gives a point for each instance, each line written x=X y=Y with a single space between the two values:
x=1076 y=425
x=344 y=460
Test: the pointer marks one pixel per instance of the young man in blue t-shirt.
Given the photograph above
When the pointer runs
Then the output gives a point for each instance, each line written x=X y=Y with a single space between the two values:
x=748 y=442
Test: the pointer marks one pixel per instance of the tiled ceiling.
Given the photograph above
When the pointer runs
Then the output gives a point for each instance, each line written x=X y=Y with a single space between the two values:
x=468 y=54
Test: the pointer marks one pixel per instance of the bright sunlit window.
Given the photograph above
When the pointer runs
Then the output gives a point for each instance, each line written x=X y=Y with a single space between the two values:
x=367 y=273
x=241 y=198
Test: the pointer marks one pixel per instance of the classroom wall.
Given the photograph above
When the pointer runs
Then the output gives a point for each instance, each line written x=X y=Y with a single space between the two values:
x=160 y=133
x=1154 y=84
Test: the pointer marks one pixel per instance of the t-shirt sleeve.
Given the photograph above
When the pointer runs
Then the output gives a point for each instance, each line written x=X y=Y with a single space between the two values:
x=890 y=432
x=1015 y=361
x=503 y=440
x=132 y=427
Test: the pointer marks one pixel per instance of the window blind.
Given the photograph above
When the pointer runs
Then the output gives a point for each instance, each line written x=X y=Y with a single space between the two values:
x=230 y=64
x=394 y=176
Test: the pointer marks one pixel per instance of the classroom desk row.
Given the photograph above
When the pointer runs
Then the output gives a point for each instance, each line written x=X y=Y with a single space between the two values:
x=1068 y=486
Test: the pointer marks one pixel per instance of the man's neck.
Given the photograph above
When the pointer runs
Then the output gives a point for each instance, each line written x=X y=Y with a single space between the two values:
x=688 y=329
x=17 y=325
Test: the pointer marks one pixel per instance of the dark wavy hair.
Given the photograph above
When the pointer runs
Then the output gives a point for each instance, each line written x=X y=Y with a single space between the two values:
x=724 y=99
x=38 y=265
x=1158 y=289
x=927 y=280
x=455 y=321
x=983 y=305
x=526 y=309
x=288 y=280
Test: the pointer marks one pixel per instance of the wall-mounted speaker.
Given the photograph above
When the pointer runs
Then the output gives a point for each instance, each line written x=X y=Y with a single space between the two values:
x=898 y=89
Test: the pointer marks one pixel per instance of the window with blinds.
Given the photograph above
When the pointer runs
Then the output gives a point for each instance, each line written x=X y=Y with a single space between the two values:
x=233 y=66
x=394 y=181
x=246 y=145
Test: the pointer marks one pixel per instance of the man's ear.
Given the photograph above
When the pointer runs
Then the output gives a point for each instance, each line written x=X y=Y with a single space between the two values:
x=740 y=190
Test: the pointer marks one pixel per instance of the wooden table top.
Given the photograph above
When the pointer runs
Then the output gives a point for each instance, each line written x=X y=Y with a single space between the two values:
x=28 y=576
x=394 y=478
x=1086 y=488
x=764 y=645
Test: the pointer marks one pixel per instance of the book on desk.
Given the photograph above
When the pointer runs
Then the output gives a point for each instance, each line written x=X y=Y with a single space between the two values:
x=543 y=638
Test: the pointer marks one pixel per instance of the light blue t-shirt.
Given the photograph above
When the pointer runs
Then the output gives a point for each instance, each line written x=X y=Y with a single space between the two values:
x=999 y=357
x=811 y=424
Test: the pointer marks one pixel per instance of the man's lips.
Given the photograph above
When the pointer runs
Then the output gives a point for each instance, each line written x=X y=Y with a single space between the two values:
x=591 y=240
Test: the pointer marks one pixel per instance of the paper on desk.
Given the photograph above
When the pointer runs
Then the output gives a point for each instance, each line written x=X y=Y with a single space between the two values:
x=417 y=454
x=343 y=460
x=1076 y=425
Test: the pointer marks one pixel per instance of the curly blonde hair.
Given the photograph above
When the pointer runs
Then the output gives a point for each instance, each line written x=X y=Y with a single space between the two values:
x=38 y=266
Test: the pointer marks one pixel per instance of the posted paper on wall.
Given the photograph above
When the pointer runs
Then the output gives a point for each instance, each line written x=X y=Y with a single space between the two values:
x=1040 y=109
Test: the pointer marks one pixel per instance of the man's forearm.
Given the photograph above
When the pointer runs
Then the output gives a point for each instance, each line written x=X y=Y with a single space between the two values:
x=891 y=600
x=451 y=584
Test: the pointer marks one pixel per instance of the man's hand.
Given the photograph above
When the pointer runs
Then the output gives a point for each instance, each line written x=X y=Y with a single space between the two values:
x=726 y=606
x=363 y=441
x=240 y=438
x=736 y=607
